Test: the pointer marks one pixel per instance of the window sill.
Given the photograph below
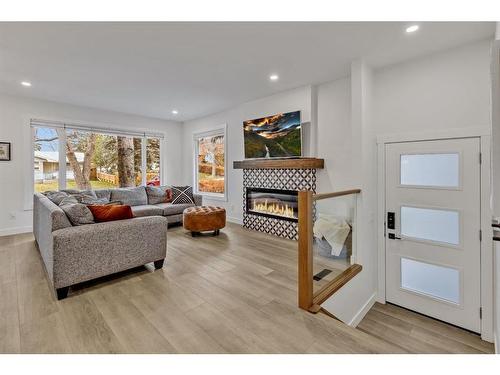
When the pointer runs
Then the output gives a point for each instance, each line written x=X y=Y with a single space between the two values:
x=214 y=197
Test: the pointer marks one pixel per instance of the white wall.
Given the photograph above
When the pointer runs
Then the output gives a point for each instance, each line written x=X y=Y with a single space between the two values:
x=298 y=99
x=351 y=302
x=335 y=135
x=446 y=90
x=495 y=65
x=15 y=113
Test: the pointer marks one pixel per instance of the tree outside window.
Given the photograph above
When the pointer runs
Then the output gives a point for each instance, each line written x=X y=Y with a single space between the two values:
x=153 y=162
x=210 y=166
x=93 y=160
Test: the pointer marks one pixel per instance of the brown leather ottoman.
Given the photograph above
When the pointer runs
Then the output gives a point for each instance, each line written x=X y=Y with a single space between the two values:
x=204 y=218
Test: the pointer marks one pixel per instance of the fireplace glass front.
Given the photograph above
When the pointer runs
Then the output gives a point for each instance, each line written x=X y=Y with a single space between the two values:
x=280 y=204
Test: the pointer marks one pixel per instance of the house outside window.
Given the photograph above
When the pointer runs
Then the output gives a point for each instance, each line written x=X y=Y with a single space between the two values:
x=46 y=159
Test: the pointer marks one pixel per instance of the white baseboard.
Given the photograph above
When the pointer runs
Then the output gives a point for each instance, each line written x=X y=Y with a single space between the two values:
x=380 y=298
x=234 y=220
x=363 y=311
x=15 y=230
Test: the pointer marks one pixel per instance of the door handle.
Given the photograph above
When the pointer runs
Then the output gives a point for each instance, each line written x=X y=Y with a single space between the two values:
x=392 y=236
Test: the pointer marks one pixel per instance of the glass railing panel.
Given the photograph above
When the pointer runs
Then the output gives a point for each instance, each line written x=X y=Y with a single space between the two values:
x=333 y=237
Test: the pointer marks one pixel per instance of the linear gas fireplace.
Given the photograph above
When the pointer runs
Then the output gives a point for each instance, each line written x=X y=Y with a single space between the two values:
x=283 y=177
x=280 y=204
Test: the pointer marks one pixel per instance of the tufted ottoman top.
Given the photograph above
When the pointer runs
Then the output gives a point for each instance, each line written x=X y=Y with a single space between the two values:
x=203 y=210
x=204 y=218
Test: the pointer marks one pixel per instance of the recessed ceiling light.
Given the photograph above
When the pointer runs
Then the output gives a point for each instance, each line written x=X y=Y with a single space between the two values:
x=274 y=77
x=26 y=83
x=412 y=28
x=174 y=111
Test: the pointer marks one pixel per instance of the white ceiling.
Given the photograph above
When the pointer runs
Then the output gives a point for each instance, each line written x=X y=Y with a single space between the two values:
x=201 y=68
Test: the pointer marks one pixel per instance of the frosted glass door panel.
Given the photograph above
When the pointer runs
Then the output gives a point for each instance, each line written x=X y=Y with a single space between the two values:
x=431 y=224
x=433 y=247
x=430 y=279
x=437 y=170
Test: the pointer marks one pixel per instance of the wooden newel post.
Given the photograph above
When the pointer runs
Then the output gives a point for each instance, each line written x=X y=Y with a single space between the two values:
x=305 y=250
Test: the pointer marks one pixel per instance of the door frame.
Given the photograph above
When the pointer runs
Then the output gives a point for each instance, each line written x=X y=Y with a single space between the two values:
x=486 y=246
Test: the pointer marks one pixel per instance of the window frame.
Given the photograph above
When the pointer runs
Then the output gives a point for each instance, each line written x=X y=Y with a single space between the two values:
x=113 y=131
x=220 y=130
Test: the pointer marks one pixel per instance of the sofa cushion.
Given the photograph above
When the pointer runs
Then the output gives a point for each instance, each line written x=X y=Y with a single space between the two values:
x=103 y=213
x=85 y=196
x=77 y=213
x=68 y=200
x=88 y=199
x=103 y=194
x=79 y=192
x=147 y=210
x=56 y=196
x=130 y=196
x=160 y=194
x=173 y=209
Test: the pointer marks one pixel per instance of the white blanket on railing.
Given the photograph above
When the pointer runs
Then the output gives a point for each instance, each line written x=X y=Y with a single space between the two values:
x=334 y=230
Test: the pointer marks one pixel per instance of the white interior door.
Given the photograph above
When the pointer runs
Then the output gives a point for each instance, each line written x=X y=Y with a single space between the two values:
x=433 y=229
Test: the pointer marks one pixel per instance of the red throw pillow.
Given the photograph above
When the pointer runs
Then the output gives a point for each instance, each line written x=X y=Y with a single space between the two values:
x=104 y=213
x=168 y=195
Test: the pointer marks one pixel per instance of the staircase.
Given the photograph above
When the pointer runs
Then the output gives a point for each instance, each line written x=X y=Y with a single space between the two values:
x=338 y=207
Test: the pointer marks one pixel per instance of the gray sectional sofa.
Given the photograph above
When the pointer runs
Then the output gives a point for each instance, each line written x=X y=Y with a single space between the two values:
x=73 y=254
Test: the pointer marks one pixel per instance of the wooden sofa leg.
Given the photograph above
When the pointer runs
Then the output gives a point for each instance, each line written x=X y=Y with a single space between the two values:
x=159 y=264
x=62 y=293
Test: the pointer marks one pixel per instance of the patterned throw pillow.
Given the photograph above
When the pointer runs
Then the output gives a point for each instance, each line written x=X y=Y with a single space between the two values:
x=182 y=195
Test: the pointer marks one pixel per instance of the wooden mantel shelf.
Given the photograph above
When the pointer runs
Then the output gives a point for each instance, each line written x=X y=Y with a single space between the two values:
x=298 y=163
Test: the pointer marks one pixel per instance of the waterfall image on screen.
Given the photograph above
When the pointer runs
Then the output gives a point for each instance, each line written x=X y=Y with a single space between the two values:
x=277 y=136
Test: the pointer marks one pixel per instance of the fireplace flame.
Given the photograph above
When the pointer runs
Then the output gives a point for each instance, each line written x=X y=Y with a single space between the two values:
x=274 y=209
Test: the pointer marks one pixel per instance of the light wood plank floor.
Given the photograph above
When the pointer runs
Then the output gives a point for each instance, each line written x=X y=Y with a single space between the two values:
x=235 y=293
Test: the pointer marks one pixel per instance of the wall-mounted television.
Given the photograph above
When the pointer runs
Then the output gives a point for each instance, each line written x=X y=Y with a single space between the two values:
x=277 y=136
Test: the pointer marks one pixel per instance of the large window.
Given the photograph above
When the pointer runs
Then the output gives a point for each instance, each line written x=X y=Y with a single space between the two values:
x=93 y=159
x=46 y=159
x=210 y=163
x=153 y=161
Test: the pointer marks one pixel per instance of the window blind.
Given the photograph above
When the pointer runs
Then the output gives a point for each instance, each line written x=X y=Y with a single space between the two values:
x=93 y=128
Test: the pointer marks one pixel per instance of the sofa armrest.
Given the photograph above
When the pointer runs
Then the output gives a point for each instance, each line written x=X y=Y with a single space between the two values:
x=47 y=218
x=198 y=199
x=89 y=251
x=47 y=215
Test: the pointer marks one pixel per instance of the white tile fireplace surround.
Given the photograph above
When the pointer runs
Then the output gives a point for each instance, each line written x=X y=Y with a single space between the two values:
x=284 y=177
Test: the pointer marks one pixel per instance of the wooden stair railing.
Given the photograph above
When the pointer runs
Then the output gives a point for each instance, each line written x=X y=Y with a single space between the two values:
x=308 y=300
x=338 y=282
x=305 y=250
